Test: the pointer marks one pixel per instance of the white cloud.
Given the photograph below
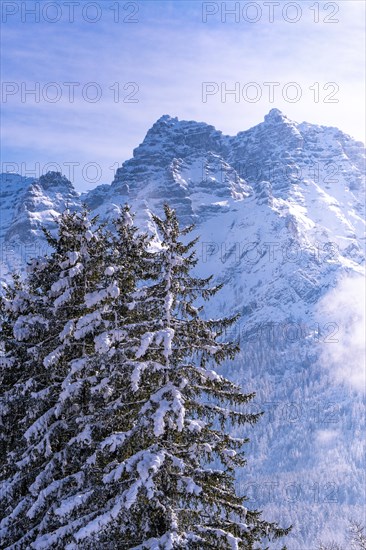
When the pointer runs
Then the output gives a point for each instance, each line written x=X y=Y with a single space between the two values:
x=345 y=306
x=326 y=437
x=169 y=53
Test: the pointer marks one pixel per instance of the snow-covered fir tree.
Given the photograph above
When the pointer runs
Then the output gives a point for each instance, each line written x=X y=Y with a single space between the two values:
x=47 y=331
x=11 y=376
x=59 y=334
x=356 y=538
x=123 y=437
x=174 y=495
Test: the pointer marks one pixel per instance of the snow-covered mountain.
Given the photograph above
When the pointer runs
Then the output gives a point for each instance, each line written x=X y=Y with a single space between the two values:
x=280 y=212
x=27 y=204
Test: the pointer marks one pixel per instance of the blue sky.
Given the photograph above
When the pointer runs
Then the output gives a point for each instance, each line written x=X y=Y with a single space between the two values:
x=158 y=54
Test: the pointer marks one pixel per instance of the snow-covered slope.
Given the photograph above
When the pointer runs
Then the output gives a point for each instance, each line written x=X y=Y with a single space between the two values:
x=27 y=204
x=280 y=212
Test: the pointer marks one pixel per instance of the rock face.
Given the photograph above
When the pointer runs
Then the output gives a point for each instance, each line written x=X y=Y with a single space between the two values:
x=280 y=212
x=27 y=204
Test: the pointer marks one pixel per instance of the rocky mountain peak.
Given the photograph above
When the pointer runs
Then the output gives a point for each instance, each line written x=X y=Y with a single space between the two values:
x=275 y=116
x=55 y=180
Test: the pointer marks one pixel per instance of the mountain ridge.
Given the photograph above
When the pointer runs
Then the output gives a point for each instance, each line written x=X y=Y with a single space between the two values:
x=280 y=214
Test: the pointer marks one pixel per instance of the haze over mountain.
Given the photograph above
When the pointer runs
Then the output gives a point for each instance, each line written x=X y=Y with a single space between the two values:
x=279 y=209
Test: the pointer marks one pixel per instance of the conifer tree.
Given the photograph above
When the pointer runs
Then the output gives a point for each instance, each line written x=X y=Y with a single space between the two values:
x=174 y=462
x=69 y=394
x=46 y=328
x=11 y=374
x=356 y=538
x=122 y=437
